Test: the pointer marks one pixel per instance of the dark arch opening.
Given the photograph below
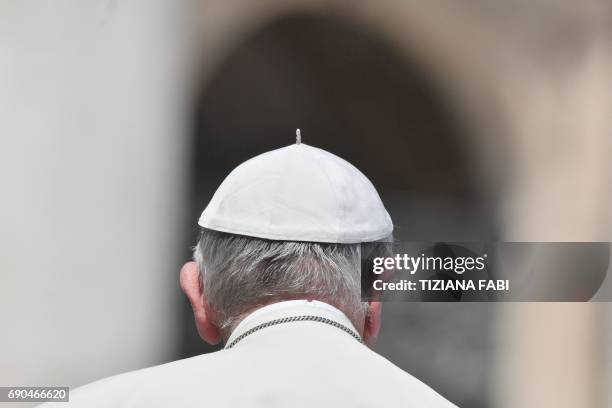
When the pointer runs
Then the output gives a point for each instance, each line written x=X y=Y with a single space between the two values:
x=350 y=93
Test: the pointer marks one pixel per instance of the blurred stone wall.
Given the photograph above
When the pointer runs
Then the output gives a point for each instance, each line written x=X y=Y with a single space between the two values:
x=92 y=188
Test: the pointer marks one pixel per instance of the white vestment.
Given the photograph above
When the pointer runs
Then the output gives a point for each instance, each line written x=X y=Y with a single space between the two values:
x=302 y=363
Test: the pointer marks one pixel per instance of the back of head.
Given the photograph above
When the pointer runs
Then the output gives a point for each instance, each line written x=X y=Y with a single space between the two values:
x=284 y=225
x=241 y=274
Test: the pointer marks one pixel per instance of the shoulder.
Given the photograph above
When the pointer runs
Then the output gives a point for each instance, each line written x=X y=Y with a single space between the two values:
x=145 y=384
x=402 y=385
x=181 y=383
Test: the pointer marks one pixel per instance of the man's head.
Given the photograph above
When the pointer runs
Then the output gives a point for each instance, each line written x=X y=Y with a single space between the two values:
x=233 y=275
x=285 y=225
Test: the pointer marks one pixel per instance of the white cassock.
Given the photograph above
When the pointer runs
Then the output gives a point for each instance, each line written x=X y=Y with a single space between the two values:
x=289 y=354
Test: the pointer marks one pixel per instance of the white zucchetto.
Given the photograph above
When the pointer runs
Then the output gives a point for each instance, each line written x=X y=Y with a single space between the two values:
x=298 y=193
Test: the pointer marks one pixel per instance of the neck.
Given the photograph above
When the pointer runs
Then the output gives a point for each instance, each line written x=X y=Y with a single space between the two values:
x=291 y=307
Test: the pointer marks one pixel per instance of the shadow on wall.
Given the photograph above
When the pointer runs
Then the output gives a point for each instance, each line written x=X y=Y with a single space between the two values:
x=356 y=96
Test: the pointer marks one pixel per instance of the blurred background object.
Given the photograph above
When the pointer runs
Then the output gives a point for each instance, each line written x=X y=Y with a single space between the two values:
x=92 y=200
x=476 y=120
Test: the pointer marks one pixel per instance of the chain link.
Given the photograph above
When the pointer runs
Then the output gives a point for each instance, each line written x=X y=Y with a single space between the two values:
x=303 y=318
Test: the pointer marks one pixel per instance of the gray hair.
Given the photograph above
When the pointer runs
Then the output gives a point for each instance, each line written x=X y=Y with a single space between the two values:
x=241 y=274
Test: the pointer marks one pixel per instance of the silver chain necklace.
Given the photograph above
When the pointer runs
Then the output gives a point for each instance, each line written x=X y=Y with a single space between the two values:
x=303 y=318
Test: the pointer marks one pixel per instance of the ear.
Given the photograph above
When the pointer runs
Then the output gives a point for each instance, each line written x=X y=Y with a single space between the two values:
x=372 y=323
x=191 y=285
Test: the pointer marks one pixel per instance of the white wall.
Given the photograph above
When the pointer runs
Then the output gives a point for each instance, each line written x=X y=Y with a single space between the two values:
x=91 y=188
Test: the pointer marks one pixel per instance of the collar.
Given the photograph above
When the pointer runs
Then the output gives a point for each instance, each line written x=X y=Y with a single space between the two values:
x=291 y=309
